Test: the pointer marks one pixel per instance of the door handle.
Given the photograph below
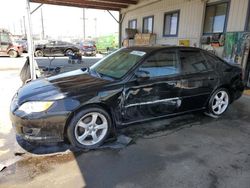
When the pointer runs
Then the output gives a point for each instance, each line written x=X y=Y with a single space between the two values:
x=172 y=84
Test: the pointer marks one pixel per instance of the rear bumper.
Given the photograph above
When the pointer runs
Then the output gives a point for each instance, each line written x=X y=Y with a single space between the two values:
x=88 y=52
x=238 y=89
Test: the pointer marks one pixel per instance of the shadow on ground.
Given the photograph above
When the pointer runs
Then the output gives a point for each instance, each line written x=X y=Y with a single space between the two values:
x=186 y=151
x=123 y=137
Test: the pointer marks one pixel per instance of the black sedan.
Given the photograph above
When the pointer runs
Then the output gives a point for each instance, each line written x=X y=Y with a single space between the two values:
x=55 y=48
x=130 y=85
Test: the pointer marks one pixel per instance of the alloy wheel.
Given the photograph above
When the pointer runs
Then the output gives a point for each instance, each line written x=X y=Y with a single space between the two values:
x=39 y=53
x=220 y=102
x=91 y=128
x=69 y=52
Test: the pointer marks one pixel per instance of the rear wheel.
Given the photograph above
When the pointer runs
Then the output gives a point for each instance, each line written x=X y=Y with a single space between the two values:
x=89 y=128
x=39 y=53
x=219 y=102
x=68 y=52
x=13 y=54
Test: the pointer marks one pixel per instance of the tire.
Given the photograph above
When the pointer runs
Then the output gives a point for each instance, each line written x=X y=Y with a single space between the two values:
x=13 y=54
x=218 y=102
x=89 y=128
x=39 y=53
x=68 y=51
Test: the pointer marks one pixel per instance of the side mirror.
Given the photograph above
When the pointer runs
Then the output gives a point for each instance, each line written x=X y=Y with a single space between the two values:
x=142 y=75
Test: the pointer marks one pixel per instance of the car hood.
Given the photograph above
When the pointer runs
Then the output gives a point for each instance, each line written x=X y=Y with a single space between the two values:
x=70 y=84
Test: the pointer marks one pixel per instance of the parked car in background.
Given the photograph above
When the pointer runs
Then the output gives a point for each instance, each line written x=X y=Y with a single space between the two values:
x=7 y=47
x=55 y=48
x=22 y=43
x=131 y=85
x=88 y=48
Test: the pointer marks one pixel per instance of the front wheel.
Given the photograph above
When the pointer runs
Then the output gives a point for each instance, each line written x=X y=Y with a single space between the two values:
x=219 y=102
x=89 y=128
x=39 y=53
x=13 y=54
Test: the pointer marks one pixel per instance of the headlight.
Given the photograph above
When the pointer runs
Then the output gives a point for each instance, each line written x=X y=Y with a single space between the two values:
x=35 y=106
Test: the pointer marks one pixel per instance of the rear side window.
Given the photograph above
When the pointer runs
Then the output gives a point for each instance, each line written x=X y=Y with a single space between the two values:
x=215 y=61
x=162 y=63
x=193 y=61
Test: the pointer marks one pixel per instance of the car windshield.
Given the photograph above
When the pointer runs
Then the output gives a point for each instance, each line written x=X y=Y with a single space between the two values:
x=117 y=64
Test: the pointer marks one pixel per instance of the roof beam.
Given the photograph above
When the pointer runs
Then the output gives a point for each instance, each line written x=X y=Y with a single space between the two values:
x=83 y=4
x=74 y=5
x=127 y=2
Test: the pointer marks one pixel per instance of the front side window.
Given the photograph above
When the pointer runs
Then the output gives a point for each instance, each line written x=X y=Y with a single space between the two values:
x=163 y=63
x=119 y=63
x=193 y=61
x=5 y=38
x=148 y=24
x=171 y=21
x=215 y=18
x=132 y=24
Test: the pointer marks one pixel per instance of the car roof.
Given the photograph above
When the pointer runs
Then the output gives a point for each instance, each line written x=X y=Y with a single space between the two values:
x=149 y=49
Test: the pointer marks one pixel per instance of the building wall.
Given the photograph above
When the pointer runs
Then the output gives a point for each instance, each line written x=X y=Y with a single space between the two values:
x=237 y=15
x=191 y=17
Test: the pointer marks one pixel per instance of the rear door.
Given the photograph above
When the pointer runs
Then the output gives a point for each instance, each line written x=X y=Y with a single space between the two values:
x=157 y=96
x=198 y=79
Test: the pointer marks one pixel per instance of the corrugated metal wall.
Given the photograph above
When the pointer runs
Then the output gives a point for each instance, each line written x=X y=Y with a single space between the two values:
x=191 y=17
x=237 y=15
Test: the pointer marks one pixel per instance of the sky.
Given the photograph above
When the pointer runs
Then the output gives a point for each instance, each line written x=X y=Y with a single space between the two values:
x=58 y=20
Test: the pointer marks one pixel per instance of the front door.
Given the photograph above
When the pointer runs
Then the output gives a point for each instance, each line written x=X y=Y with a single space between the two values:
x=159 y=94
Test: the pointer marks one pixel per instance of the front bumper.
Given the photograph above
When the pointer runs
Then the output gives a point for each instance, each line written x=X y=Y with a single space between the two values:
x=42 y=128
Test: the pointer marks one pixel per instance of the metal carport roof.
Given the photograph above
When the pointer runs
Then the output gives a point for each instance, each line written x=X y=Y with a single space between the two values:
x=115 y=5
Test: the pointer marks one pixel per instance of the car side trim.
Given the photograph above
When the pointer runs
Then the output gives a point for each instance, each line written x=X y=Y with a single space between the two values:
x=153 y=102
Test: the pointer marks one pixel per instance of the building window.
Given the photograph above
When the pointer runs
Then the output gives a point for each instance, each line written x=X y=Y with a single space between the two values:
x=215 y=18
x=148 y=24
x=171 y=22
x=132 y=24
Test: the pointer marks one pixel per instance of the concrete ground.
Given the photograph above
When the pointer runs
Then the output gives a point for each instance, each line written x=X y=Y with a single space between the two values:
x=187 y=151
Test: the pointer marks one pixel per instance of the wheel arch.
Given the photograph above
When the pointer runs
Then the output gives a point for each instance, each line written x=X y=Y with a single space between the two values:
x=227 y=87
x=12 y=49
x=91 y=105
x=68 y=49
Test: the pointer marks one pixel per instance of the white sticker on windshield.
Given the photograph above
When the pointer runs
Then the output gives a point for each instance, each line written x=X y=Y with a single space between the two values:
x=139 y=53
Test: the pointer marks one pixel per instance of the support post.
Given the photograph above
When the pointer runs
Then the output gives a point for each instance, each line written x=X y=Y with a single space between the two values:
x=30 y=42
x=84 y=23
x=120 y=29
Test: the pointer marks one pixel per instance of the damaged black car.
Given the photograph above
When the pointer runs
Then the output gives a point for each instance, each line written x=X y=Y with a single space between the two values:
x=130 y=85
